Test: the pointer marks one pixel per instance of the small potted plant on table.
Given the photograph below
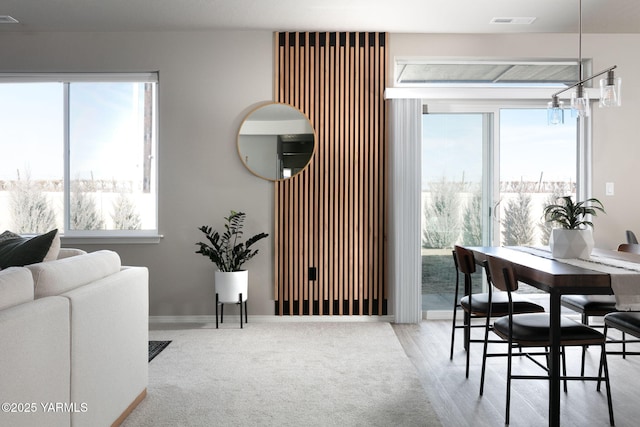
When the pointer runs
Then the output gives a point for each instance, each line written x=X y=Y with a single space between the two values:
x=228 y=252
x=573 y=237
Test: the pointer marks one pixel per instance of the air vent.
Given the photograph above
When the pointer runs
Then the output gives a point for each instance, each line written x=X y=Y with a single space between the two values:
x=514 y=21
x=6 y=19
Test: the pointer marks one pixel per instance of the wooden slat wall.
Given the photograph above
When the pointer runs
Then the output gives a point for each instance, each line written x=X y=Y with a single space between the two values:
x=332 y=216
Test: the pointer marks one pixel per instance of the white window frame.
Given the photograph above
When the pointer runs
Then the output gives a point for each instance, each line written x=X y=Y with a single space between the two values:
x=96 y=236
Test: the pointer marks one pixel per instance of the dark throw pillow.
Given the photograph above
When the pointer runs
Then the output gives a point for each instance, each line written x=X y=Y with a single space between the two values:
x=8 y=235
x=20 y=251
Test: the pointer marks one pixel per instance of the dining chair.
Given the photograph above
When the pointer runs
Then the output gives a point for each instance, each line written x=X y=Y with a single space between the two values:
x=625 y=321
x=533 y=329
x=480 y=305
x=633 y=248
x=597 y=306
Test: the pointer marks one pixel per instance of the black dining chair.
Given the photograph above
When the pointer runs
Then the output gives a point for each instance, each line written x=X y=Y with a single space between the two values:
x=480 y=305
x=625 y=321
x=533 y=329
x=628 y=322
x=597 y=306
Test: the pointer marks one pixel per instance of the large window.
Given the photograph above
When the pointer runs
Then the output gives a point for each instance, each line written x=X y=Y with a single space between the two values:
x=78 y=153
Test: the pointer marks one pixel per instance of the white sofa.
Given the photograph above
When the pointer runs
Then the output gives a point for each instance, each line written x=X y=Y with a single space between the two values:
x=74 y=335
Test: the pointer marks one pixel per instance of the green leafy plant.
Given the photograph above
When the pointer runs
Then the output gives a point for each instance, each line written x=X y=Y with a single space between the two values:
x=570 y=215
x=227 y=250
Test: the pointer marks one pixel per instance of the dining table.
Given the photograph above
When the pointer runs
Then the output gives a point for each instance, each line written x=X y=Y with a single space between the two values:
x=536 y=267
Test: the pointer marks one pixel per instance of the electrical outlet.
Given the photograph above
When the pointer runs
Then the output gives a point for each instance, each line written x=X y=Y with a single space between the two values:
x=313 y=274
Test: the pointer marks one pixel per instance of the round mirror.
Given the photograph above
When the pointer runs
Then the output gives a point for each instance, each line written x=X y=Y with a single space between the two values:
x=276 y=141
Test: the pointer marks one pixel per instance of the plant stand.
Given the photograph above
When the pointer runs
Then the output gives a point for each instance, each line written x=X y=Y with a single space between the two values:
x=233 y=288
x=239 y=302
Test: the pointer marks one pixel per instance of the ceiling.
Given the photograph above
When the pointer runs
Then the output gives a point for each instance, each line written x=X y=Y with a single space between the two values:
x=399 y=16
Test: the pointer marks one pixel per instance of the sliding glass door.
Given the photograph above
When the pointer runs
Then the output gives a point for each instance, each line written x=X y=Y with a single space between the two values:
x=455 y=196
x=486 y=174
x=537 y=165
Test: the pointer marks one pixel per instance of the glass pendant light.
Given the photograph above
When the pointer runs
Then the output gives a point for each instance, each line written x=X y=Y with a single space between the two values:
x=610 y=91
x=555 y=113
x=580 y=102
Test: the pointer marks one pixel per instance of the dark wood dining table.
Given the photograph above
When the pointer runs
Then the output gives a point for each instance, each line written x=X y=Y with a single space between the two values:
x=557 y=279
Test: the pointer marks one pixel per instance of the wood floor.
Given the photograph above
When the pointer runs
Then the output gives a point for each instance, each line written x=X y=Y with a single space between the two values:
x=457 y=401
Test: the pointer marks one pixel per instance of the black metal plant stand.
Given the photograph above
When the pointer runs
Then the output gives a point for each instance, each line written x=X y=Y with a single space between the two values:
x=221 y=304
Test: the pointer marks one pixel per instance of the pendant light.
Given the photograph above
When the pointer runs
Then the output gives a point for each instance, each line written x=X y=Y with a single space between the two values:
x=610 y=91
x=580 y=106
x=555 y=111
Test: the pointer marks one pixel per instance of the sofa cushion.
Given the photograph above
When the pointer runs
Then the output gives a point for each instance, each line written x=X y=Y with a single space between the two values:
x=16 y=287
x=19 y=251
x=62 y=275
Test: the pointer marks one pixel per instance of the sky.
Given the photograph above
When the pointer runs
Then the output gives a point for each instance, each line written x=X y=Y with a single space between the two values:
x=31 y=116
x=106 y=130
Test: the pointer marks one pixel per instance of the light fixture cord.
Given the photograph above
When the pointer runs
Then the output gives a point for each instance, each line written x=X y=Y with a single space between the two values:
x=580 y=38
x=579 y=85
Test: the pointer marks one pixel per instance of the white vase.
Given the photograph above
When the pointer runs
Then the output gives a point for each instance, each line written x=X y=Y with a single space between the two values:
x=571 y=243
x=229 y=284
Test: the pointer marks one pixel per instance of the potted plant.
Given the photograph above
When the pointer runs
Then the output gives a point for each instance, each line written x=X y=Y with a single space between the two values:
x=573 y=236
x=228 y=252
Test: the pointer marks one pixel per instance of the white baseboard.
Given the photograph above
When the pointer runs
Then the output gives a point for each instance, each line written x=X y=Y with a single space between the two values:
x=269 y=319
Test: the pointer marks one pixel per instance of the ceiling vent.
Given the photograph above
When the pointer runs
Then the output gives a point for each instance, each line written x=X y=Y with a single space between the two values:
x=513 y=21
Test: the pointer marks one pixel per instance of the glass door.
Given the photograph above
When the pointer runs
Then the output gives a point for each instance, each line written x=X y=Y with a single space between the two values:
x=456 y=194
x=537 y=165
x=487 y=172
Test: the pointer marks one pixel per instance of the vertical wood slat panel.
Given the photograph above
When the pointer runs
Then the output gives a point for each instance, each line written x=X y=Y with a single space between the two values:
x=332 y=216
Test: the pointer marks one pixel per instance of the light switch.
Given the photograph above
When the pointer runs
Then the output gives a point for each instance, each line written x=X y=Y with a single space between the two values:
x=609 y=189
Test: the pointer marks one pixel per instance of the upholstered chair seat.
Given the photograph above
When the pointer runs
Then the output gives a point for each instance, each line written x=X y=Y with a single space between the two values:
x=533 y=330
x=479 y=304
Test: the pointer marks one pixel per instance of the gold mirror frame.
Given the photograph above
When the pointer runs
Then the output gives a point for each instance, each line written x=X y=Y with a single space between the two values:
x=276 y=141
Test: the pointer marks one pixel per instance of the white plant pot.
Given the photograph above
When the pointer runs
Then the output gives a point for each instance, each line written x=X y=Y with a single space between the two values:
x=230 y=284
x=571 y=243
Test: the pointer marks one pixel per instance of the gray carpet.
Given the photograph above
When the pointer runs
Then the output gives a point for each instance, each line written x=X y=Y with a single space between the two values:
x=283 y=374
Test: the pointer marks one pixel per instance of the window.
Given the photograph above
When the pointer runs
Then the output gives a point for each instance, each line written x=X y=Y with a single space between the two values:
x=417 y=72
x=79 y=154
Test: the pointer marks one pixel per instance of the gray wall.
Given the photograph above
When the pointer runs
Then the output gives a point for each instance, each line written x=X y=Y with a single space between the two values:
x=210 y=80
x=208 y=83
